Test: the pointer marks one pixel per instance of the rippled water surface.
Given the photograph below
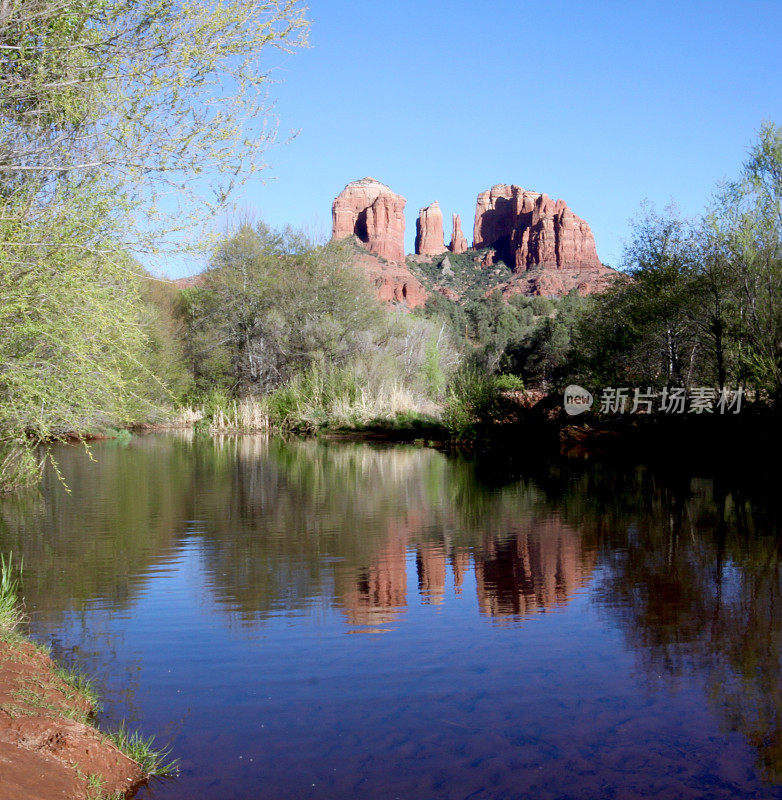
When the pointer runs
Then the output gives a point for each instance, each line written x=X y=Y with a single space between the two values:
x=307 y=620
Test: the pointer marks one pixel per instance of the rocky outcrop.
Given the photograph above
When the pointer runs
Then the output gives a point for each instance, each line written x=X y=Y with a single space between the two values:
x=394 y=283
x=429 y=231
x=458 y=239
x=370 y=211
x=529 y=230
x=559 y=282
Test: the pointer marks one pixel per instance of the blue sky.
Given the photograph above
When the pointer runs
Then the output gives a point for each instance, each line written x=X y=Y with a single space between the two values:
x=603 y=104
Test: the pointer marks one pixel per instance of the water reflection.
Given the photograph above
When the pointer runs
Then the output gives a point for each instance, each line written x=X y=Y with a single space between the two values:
x=536 y=568
x=177 y=540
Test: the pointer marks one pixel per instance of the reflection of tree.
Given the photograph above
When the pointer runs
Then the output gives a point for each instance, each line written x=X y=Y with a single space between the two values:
x=695 y=582
x=125 y=510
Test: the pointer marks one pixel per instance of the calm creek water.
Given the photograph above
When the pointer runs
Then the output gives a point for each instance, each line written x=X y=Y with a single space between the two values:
x=308 y=620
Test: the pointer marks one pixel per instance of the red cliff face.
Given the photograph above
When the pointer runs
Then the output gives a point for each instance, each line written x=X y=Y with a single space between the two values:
x=429 y=231
x=394 y=283
x=370 y=211
x=529 y=230
x=458 y=239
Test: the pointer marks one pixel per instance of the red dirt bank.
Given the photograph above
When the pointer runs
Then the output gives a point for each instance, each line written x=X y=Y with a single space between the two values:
x=46 y=751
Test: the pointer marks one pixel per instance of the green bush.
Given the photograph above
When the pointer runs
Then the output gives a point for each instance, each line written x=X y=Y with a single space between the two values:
x=509 y=383
x=472 y=401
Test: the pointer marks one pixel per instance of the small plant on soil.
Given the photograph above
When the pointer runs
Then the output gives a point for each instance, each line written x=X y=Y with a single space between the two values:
x=140 y=750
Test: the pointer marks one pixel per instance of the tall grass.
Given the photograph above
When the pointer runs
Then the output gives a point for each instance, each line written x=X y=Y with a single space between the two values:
x=345 y=398
x=10 y=607
x=319 y=397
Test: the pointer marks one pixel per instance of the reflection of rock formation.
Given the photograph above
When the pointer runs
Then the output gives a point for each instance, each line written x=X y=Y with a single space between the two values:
x=460 y=564
x=379 y=591
x=431 y=561
x=537 y=568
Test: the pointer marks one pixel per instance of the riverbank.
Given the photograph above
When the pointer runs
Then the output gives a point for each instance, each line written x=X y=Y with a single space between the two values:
x=48 y=748
x=509 y=420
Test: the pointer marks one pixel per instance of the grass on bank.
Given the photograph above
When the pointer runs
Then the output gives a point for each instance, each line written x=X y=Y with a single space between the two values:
x=340 y=400
x=141 y=750
x=317 y=399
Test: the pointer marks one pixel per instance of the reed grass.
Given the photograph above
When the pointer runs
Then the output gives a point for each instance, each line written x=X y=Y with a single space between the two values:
x=11 y=614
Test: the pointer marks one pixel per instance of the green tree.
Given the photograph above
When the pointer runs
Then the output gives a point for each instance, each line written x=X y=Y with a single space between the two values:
x=112 y=111
x=641 y=331
x=273 y=304
x=746 y=234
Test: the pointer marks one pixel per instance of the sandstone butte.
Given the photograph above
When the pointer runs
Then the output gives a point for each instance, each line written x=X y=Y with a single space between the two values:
x=550 y=250
x=529 y=230
x=429 y=231
x=370 y=211
x=46 y=750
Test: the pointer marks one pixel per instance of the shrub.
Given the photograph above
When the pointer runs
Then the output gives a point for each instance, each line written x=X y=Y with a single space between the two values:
x=509 y=383
x=472 y=401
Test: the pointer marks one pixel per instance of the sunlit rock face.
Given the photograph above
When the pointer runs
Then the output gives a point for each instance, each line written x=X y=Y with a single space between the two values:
x=394 y=283
x=529 y=230
x=429 y=231
x=537 y=567
x=370 y=211
x=458 y=239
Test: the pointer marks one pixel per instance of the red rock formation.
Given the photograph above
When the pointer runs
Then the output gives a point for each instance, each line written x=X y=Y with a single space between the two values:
x=370 y=211
x=458 y=239
x=529 y=230
x=559 y=282
x=393 y=283
x=429 y=231
x=488 y=259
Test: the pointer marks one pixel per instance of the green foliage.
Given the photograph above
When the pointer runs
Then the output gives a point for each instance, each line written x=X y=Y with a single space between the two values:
x=308 y=396
x=104 y=108
x=79 y=683
x=119 y=98
x=74 y=354
x=509 y=383
x=297 y=327
x=10 y=609
x=462 y=273
x=472 y=401
x=432 y=370
x=641 y=331
x=141 y=750
x=273 y=303
x=701 y=302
